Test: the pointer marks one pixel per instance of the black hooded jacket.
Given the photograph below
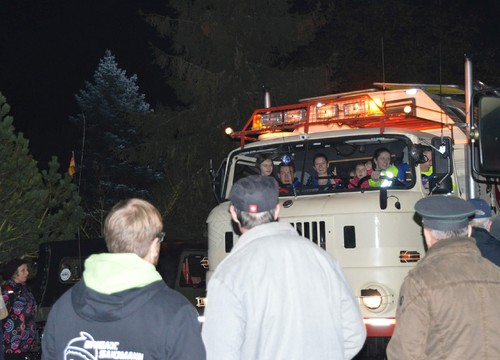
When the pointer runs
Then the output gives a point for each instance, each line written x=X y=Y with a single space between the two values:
x=151 y=322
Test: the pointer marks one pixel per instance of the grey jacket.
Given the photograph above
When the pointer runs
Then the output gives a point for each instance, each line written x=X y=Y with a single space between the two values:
x=449 y=306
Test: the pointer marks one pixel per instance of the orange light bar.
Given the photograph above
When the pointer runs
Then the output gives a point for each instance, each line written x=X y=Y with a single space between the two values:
x=357 y=111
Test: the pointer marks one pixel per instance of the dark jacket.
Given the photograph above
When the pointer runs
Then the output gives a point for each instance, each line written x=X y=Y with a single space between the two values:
x=19 y=326
x=150 y=322
x=487 y=244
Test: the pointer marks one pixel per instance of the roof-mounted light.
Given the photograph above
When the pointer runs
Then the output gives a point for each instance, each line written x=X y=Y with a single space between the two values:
x=271 y=119
x=326 y=111
x=295 y=116
x=278 y=118
x=355 y=108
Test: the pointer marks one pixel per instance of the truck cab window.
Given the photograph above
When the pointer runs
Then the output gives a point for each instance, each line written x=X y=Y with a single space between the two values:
x=331 y=166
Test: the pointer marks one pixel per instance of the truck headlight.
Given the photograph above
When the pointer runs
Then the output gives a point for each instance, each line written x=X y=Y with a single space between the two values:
x=375 y=297
x=371 y=298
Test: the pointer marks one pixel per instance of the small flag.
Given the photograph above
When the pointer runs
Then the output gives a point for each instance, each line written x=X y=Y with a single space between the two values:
x=71 y=169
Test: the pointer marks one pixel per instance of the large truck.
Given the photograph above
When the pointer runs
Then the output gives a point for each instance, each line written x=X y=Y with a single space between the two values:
x=371 y=230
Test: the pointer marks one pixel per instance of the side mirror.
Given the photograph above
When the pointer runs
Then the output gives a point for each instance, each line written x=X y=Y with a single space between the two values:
x=485 y=159
x=442 y=165
x=442 y=158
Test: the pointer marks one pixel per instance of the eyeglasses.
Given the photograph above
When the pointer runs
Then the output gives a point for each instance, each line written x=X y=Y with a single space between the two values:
x=161 y=236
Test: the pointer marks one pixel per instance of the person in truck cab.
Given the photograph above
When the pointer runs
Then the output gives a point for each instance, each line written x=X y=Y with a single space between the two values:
x=122 y=308
x=324 y=179
x=384 y=172
x=277 y=295
x=360 y=178
x=426 y=170
x=265 y=164
x=448 y=304
x=287 y=179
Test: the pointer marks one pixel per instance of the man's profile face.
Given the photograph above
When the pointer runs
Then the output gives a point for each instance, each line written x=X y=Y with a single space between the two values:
x=426 y=165
x=286 y=175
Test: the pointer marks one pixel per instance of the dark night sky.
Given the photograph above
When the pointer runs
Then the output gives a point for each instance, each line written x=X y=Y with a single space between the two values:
x=50 y=48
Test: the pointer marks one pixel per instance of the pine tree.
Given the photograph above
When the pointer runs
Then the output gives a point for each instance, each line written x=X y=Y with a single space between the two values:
x=223 y=54
x=108 y=175
x=34 y=206
x=64 y=213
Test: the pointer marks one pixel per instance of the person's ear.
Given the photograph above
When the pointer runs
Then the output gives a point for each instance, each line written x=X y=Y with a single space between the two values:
x=429 y=240
x=277 y=211
x=153 y=253
x=233 y=214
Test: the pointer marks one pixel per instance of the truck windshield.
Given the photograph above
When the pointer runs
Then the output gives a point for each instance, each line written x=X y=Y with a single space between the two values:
x=329 y=165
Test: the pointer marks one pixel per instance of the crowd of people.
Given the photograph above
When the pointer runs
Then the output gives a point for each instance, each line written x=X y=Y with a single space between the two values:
x=379 y=171
x=275 y=296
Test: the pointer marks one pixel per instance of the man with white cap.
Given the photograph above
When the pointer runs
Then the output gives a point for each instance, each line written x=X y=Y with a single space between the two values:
x=277 y=295
x=448 y=304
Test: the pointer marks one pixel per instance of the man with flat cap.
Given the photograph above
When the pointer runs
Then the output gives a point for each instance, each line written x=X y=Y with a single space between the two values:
x=277 y=295
x=449 y=303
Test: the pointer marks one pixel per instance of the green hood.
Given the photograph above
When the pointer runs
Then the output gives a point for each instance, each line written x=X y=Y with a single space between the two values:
x=112 y=273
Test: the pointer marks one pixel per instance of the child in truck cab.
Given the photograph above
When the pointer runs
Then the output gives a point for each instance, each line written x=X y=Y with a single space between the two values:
x=361 y=177
x=384 y=173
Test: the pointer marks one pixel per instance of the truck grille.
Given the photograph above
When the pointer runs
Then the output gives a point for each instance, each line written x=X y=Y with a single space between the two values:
x=312 y=230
